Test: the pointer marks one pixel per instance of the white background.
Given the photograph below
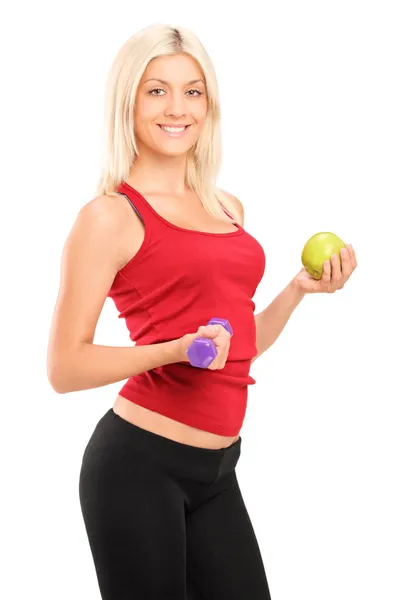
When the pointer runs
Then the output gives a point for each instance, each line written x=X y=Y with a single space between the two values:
x=310 y=98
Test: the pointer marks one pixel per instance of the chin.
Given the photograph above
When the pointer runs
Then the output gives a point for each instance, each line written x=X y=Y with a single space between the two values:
x=169 y=152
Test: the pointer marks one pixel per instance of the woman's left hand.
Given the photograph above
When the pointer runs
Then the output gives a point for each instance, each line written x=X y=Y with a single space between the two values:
x=333 y=277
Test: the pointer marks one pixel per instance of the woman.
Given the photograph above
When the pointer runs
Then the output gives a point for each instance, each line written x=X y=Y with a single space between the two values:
x=160 y=499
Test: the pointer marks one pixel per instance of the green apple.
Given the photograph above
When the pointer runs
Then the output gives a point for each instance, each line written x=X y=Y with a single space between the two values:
x=318 y=249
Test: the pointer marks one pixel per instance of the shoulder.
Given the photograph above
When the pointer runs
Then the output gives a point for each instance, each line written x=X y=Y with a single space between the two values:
x=103 y=222
x=236 y=203
x=104 y=211
x=108 y=215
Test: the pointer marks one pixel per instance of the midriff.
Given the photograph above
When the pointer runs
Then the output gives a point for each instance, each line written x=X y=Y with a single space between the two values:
x=169 y=428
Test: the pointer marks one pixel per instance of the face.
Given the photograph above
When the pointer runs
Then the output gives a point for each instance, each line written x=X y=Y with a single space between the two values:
x=172 y=92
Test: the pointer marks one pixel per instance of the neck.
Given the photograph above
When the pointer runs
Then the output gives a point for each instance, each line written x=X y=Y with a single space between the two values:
x=158 y=173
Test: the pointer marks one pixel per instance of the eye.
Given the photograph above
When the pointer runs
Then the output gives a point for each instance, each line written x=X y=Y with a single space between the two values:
x=150 y=92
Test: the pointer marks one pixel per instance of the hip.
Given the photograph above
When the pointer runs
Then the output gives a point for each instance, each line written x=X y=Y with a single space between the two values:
x=169 y=428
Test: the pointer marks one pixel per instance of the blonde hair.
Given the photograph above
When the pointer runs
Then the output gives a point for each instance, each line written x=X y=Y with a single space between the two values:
x=203 y=158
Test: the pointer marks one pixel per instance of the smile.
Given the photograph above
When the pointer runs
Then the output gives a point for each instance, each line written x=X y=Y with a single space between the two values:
x=173 y=131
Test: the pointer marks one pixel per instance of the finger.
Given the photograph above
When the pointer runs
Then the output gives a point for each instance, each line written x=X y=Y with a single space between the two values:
x=326 y=272
x=346 y=263
x=219 y=360
x=336 y=276
x=222 y=331
x=352 y=254
x=222 y=345
x=209 y=330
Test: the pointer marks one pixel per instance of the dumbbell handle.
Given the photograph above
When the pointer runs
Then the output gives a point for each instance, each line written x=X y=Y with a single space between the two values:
x=202 y=351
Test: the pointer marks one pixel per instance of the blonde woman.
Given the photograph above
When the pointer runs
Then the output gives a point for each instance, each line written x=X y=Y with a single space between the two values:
x=161 y=503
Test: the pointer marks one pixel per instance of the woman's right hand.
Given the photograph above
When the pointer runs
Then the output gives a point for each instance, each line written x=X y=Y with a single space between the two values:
x=221 y=338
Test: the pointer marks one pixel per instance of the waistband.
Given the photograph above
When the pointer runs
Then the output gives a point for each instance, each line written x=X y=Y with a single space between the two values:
x=165 y=450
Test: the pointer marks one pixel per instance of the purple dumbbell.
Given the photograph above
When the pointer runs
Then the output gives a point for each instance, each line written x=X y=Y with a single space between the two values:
x=202 y=351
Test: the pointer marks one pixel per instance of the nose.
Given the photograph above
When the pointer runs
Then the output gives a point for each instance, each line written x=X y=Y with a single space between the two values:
x=176 y=105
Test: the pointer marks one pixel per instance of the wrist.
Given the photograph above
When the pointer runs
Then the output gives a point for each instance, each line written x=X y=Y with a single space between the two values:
x=297 y=290
x=174 y=352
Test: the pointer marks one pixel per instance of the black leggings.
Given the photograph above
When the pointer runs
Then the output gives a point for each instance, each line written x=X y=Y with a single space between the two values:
x=166 y=520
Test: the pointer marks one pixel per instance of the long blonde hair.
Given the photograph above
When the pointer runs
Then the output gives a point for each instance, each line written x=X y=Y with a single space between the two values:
x=203 y=158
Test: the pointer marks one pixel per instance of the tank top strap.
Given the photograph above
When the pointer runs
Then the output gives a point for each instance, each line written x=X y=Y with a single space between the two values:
x=138 y=204
x=225 y=211
x=141 y=206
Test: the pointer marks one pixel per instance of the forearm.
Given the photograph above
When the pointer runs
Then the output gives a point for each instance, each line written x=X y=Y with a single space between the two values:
x=271 y=321
x=91 y=366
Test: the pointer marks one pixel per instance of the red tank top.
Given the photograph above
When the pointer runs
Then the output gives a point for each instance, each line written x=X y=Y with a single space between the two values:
x=178 y=280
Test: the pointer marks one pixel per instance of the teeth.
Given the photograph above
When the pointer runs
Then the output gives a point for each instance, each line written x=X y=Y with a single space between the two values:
x=173 y=129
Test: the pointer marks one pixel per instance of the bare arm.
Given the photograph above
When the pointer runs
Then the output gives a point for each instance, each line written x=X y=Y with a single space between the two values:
x=92 y=366
x=272 y=320
x=91 y=258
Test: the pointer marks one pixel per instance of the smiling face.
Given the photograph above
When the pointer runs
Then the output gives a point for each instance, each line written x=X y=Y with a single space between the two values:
x=171 y=93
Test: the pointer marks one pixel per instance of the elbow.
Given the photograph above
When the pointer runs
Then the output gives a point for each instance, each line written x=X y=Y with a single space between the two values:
x=57 y=377
x=58 y=388
x=57 y=383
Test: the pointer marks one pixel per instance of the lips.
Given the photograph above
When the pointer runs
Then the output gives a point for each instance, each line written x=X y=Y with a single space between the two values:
x=164 y=125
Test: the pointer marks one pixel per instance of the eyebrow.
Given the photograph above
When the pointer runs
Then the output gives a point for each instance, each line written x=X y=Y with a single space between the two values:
x=166 y=82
